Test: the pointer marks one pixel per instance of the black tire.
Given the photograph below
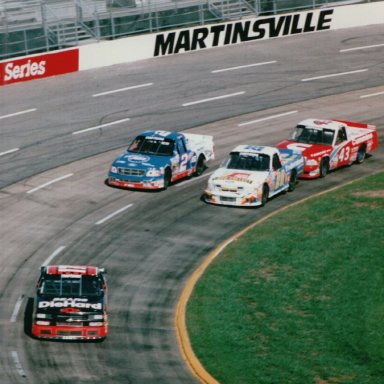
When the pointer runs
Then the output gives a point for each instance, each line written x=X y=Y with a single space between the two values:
x=361 y=154
x=324 y=167
x=264 y=197
x=200 y=166
x=292 y=181
x=167 y=178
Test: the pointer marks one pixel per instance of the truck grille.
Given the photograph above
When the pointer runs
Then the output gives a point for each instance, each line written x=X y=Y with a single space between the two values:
x=131 y=172
x=74 y=317
x=70 y=324
x=228 y=189
x=228 y=199
x=69 y=333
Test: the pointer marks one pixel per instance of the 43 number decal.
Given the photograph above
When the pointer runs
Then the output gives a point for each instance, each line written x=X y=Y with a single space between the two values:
x=344 y=154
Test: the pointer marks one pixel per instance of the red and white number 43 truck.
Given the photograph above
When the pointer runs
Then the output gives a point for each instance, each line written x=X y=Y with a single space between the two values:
x=330 y=144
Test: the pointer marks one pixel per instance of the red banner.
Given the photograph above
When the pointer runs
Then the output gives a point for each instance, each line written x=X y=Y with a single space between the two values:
x=36 y=67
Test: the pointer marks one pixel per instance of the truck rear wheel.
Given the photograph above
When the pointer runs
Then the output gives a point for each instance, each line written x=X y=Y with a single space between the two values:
x=292 y=181
x=361 y=154
x=200 y=166
x=264 y=197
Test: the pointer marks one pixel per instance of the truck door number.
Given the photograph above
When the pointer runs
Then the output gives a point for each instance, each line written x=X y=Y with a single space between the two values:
x=183 y=162
x=344 y=154
x=280 y=179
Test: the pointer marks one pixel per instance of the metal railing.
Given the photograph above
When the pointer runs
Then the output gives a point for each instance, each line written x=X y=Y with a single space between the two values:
x=35 y=26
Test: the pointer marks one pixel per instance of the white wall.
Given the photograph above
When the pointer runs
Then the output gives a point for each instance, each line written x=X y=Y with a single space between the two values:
x=141 y=47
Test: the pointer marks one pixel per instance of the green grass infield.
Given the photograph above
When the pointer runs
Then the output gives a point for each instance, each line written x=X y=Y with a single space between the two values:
x=299 y=298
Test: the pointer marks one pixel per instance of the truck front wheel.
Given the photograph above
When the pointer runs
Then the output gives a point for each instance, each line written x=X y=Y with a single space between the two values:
x=167 y=178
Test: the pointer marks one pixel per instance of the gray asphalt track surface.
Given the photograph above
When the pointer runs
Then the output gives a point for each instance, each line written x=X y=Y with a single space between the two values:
x=152 y=242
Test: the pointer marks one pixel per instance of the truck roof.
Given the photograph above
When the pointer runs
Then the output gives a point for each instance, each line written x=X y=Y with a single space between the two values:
x=322 y=123
x=255 y=149
x=161 y=134
x=87 y=270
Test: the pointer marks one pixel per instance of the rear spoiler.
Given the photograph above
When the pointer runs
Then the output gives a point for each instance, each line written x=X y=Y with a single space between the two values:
x=357 y=125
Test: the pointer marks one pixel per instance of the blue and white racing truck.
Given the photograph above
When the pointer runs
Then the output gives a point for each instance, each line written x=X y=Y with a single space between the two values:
x=155 y=159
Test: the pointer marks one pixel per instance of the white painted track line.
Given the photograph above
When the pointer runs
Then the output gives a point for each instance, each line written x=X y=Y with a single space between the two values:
x=18 y=113
x=360 y=48
x=266 y=118
x=122 y=90
x=335 y=75
x=113 y=214
x=49 y=183
x=243 y=66
x=53 y=255
x=213 y=99
x=100 y=126
x=9 y=151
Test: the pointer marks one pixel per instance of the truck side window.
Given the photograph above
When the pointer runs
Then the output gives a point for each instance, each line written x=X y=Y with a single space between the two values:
x=276 y=164
x=181 y=146
x=341 y=135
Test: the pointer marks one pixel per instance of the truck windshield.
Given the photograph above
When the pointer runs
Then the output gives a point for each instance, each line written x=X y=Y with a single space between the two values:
x=309 y=135
x=152 y=146
x=248 y=162
x=82 y=286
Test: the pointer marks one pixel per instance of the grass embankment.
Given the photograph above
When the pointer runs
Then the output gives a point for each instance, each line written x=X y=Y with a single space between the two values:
x=300 y=298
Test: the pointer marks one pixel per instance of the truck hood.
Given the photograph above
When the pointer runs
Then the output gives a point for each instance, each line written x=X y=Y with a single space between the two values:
x=236 y=177
x=307 y=150
x=139 y=161
x=52 y=304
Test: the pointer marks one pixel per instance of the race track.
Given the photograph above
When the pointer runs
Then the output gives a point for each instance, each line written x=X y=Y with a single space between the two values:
x=58 y=137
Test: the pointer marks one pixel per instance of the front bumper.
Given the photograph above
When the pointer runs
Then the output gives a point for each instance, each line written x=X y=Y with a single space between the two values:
x=129 y=184
x=310 y=172
x=69 y=333
x=231 y=200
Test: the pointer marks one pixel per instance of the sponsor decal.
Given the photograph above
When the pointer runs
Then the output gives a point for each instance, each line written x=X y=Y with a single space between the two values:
x=39 y=66
x=30 y=68
x=241 y=177
x=322 y=122
x=169 y=43
x=361 y=139
x=160 y=133
x=299 y=147
x=255 y=148
x=317 y=154
x=138 y=158
x=69 y=303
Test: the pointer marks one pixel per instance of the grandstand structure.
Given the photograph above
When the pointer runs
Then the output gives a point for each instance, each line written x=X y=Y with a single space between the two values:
x=36 y=26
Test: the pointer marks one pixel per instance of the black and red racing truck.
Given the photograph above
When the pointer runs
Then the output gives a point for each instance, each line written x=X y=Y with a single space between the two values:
x=71 y=303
